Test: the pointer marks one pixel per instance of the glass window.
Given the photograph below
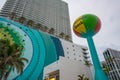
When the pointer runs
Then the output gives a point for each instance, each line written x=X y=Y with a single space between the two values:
x=52 y=78
x=74 y=53
x=67 y=52
x=53 y=75
x=68 y=57
x=72 y=45
x=57 y=77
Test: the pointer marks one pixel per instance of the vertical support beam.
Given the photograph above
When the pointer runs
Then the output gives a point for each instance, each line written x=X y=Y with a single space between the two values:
x=99 y=73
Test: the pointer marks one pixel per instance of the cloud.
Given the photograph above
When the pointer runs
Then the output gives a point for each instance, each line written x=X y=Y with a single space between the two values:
x=2 y=3
x=108 y=12
x=102 y=48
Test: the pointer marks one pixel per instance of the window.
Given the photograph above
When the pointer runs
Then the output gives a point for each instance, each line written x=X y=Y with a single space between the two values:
x=67 y=52
x=80 y=60
x=53 y=75
x=84 y=49
x=52 y=78
x=73 y=49
x=74 y=53
x=72 y=45
x=68 y=57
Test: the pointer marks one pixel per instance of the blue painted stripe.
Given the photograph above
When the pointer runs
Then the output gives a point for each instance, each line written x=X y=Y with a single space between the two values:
x=30 y=68
x=51 y=54
x=58 y=46
x=41 y=57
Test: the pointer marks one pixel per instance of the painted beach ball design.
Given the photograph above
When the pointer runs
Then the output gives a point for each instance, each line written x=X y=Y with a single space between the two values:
x=86 y=25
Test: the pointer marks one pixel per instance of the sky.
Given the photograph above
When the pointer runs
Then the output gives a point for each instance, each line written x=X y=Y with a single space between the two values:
x=108 y=11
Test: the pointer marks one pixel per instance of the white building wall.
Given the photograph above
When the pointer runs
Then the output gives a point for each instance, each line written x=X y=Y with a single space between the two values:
x=73 y=51
x=72 y=64
x=50 y=68
x=70 y=69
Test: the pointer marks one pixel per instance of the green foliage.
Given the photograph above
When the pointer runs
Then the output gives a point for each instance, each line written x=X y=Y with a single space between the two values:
x=38 y=26
x=82 y=77
x=87 y=63
x=106 y=69
x=11 y=34
x=67 y=37
x=30 y=23
x=51 y=31
x=10 y=59
x=22 y=19
x=12 y=15
x=61 y=35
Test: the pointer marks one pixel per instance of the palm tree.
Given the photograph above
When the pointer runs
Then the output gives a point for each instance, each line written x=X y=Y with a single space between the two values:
x=10 y=59
x=87 y=63
x=22 y=19
x=67 y=37
x=106 y=69
x=61 y=35
x=12 y=15
x=51 y=31
x=110 y=59
x=38 y=26
x=82 y=77
x=30 y=23
x=45 y=28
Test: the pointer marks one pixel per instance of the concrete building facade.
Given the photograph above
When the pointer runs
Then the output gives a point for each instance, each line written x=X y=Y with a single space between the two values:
x=50 y=13
x=69 y=66
x=112 y=58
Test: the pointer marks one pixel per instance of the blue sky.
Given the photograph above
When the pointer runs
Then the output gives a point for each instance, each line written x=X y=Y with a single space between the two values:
x=108 y=11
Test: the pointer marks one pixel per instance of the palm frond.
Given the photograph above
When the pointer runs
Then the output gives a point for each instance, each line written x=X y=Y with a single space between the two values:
x=10 y=58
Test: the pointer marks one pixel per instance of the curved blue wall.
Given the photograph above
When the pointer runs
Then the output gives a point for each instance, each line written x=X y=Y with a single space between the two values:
x=39 y=48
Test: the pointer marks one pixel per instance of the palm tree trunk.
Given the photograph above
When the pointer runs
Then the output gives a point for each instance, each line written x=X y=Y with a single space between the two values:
x=0 y=77
x=2 y=74
x=7 y=74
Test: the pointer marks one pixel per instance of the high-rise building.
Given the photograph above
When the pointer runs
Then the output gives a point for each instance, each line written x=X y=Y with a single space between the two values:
x=49 y=13
x=112 y=58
